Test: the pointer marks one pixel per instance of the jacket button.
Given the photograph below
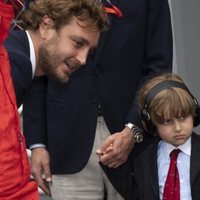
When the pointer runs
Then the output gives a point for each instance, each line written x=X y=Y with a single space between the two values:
x=97 y=72
x=95 y=104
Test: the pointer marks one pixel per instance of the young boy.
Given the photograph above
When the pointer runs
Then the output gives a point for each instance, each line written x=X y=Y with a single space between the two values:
x=169 y=111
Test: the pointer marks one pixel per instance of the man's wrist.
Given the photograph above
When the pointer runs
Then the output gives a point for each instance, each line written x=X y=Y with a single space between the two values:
x=138 y=133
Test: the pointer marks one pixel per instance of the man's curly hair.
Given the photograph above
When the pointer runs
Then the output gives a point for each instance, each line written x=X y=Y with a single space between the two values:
x=62 y=11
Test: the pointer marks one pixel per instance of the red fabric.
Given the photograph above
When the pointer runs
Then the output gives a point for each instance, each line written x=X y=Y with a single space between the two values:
x=172 y=184
x=15 y=181
x=6 y=15
x=112 y=9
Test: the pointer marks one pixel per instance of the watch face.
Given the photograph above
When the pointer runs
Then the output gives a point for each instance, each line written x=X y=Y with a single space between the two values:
x=138 y=137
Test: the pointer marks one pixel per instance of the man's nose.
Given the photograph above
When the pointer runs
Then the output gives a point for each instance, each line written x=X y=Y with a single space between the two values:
x=82 y=56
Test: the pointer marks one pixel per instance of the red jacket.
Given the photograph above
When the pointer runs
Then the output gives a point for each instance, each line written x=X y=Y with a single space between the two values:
x=15 y=181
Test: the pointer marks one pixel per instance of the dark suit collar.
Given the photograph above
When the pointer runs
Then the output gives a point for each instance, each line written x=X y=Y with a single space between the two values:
x=154 y=168
x=20 y=41
x=195 y=157
x=105 y=35
x=114 y=2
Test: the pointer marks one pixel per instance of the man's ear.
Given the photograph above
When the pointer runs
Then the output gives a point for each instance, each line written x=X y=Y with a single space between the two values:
x=46 y=25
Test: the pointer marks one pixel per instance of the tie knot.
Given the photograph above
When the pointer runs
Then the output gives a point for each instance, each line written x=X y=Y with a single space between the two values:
x=174 y=153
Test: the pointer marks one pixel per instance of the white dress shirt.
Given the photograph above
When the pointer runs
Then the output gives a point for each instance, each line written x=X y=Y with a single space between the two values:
x=33 y=62
x=32 y=54
x=183 y=164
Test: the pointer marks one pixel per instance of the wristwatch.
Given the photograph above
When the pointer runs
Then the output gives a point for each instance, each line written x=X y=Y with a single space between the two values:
x=136 y=131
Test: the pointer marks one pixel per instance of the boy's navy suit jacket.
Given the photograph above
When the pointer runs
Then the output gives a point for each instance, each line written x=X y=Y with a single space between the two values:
x=146 y=172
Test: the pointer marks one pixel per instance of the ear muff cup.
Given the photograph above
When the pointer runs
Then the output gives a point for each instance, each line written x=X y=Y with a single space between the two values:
x=197 y=114
x=147 y=123
x=146 y=118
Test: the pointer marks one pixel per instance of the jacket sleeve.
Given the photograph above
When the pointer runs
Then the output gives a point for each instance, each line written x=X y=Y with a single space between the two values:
x=34 y=112
x=158 y=49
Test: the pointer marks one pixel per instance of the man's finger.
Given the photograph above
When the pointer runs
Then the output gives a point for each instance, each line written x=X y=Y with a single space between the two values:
x=38 y=177
x=108 y=142
x=45 y=187
x=47 y=173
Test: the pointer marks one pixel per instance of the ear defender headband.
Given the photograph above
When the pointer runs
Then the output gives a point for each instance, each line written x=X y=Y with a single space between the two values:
x=146 y=118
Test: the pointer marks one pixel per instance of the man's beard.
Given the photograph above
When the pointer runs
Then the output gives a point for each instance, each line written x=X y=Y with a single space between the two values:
x=49 y=61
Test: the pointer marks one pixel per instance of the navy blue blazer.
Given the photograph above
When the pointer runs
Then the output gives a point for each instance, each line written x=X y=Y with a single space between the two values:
x=146 y=172
x=17 y=46
x=138 y=45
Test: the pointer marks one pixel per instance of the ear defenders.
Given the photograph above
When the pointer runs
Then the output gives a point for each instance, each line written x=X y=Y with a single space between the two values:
x=146 y=118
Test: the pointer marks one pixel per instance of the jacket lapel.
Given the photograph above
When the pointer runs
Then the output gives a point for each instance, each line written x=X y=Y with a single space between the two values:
x=104 y=35
x=195 y=157
x=154 y=169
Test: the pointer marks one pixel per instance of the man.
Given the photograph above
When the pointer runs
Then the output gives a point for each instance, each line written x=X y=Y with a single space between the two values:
x=59 y=37
x=138 y=45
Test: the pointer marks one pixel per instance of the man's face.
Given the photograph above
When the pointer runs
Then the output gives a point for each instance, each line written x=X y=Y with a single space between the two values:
x=65 y=51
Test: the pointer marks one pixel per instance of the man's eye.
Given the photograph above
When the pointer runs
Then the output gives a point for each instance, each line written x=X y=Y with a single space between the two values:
x=78 y=44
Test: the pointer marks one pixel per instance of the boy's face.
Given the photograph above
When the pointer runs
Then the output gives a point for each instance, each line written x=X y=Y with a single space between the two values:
x=176 y=131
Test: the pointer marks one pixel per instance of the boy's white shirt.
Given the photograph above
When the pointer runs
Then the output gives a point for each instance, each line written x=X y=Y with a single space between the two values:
x=183 y=164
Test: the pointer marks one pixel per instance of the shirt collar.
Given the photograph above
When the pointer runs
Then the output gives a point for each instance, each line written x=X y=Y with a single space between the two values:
x=32 y=53
x=185 y=148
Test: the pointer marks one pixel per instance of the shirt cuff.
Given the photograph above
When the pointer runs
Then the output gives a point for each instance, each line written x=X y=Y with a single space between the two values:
x=33 y=146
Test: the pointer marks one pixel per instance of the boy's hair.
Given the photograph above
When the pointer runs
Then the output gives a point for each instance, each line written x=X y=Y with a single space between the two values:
x=169 y=103
x=62 y=11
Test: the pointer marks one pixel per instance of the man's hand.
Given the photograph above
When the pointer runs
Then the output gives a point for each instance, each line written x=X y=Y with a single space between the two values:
x=116 y=148
x=40 y=166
